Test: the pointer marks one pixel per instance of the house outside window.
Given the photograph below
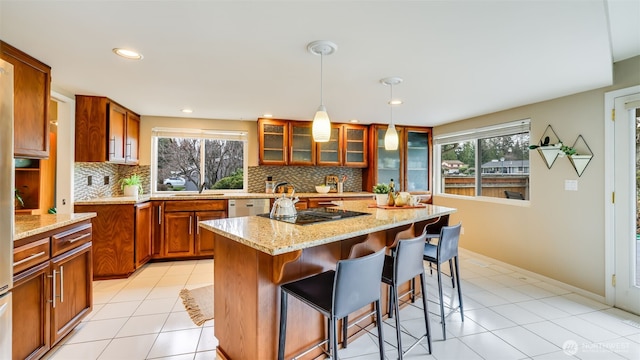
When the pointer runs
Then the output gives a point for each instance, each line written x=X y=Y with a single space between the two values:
x=491 y=161
x=198 y=160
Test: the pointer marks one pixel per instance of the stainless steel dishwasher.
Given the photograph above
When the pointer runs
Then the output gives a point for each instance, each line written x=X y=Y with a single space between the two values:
x=247 y=207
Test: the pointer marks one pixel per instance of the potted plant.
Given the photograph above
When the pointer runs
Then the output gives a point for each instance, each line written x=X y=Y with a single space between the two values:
x=382 y=194
x=132 y=185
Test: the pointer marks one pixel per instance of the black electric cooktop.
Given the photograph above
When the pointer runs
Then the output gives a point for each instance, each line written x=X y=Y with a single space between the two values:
x=318 y=215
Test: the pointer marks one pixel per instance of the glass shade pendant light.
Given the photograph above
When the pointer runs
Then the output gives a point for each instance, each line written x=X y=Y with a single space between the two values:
x=321 y=127
x=391 y=136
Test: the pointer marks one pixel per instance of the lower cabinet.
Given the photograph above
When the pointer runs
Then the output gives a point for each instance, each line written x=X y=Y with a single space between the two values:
x=315 y=202
x=121 y=239
x=181 y=236
x=53 y=296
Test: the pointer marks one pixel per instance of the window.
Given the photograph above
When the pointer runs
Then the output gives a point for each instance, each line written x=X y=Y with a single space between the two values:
x=491 y=161
x=191 y=160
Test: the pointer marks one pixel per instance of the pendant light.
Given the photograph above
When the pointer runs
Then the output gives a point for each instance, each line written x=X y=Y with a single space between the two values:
x=391 y=136
x=321 y=128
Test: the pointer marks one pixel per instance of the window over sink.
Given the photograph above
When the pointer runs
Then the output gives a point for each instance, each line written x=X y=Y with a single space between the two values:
x=192 y=160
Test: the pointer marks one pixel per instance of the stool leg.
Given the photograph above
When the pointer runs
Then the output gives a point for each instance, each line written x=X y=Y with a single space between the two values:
x=345 y=325
x=453 y=278
x=283 y=324
x=397 y=310
x=390 y=305
x=426 y=310
x=413 y=290
x=379 y=325
x=439 y=273
x=455 y=258
x=333 y=338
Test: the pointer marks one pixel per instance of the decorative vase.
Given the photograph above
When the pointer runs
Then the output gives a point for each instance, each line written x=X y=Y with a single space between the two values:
x=381 y=199
x=131 y=190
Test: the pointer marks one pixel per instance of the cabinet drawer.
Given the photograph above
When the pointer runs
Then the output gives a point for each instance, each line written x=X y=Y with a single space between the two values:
x=70 y=239
x=30 y=254
x=195 y=205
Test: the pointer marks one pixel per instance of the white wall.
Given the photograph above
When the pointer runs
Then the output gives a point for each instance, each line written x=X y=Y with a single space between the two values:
x=559 y=234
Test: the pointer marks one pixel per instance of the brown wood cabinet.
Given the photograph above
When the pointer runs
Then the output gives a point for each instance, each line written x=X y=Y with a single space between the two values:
x=35 y=185
x=182 y=236
x=54 y=292
x=143 y=235
x=346 y=147
x=409 y=166
x=106 y=131
x=157 y=233
x=290 y=142
x=327 y=201
x=114 y=238
x=32 y=81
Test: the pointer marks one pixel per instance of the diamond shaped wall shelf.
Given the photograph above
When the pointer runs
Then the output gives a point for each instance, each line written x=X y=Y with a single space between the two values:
x=583 y=155
x=549 y=146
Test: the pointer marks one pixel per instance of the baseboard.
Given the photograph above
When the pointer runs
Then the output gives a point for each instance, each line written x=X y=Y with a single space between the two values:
x=537 y=276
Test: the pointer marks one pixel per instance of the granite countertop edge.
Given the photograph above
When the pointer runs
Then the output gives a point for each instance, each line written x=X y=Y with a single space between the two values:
x=125 y=200
x=29 y=225
x=275 y=237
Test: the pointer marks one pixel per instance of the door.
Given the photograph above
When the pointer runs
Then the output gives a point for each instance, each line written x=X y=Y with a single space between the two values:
x=417 y=160
x=626 y=215
x=143 y=233
x=272 y=141
x=133 y=134
x=388 y=166
x=204 y=239
x=178 y=234
x=302 y=148
x=72 y=288
x=328 y=153
x=31 y=293
x=354 y=145
x=117 y=123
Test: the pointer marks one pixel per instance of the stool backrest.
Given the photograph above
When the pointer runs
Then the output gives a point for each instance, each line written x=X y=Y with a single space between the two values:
x=408 y=260
x=434 y=228
x=357 y=283
x=448 y=242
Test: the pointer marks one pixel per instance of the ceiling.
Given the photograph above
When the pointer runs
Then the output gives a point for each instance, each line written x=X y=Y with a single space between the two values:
x=239 y=59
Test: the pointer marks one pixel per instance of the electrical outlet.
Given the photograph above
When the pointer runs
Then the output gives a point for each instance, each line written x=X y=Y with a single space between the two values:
x=89 y=180
x=106 y=180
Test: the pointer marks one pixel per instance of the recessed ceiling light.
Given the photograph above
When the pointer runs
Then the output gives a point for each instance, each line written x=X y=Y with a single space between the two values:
x=267 y=115
x=127 y=54
x=187 y=111
x=353 y=121
x=395 y=102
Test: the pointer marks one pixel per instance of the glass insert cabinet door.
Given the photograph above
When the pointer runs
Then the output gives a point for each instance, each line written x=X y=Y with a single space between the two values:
x=302 y=146
x=355 y=139
x=417 y=163
x=274 y=135
x=329 y=152
x=388 y=160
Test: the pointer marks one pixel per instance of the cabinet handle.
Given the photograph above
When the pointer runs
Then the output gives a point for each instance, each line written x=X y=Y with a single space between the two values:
x=71 y=241
x=61 y=283
x=128 y=152
x=112 y=152
x=159 y=214
x=190 y=223
x=31 y=257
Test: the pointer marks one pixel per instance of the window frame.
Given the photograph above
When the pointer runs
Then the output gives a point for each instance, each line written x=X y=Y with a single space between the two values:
x=203 y=134
x=476 y=135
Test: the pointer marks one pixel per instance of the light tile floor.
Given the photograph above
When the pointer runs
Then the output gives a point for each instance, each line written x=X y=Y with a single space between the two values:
x=508 y=315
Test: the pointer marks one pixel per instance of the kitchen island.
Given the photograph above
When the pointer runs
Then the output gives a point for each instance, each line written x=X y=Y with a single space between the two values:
x=254 y=255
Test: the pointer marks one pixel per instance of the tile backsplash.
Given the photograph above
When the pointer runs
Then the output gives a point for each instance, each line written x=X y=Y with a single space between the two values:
x=303 y=178
x=97 y=172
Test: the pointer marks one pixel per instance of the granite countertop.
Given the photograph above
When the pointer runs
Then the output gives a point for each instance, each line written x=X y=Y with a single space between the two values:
x=29 y=225
x=120 y=200
x=276 y=237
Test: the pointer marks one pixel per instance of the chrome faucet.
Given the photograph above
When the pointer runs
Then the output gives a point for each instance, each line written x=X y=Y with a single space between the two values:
x=201 y=187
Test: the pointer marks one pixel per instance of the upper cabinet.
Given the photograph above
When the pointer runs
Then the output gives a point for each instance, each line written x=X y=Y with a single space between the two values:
x=346 y=147
x=31 y=89
x=289 y=142
x=409 y=165
x=106 y=131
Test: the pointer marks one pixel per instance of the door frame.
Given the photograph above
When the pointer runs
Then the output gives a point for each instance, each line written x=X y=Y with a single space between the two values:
x=65 y=151
x=609 y=180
